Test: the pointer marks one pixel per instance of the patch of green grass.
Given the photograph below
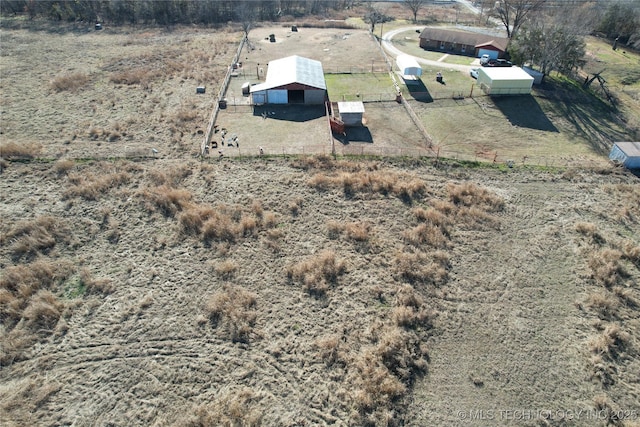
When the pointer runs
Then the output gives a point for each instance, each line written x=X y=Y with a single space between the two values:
x=345 y=86
x=74 y=288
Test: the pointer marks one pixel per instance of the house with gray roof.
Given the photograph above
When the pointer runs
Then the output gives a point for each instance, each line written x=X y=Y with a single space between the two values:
x=461 y=42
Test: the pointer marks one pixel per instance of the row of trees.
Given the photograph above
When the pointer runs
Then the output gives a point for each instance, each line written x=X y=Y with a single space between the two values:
x=168 y=12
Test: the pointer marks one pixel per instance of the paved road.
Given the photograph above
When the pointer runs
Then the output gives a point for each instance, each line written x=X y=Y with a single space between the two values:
x=394 y=51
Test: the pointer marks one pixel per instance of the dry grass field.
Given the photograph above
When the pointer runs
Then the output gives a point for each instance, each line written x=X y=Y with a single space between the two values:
x=315 y=292
x=288 y=290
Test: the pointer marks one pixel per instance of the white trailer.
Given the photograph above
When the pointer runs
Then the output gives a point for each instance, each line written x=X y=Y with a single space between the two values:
x=408 y=66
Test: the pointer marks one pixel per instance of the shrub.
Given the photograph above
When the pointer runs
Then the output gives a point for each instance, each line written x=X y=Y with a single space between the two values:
x=93 y=285
x=334 y=228
x=604 y=304
x=606 y=268
x=375 y=386
x=586 y=228
x=295 y=206
x=167 y=200
x=248 y=225
x=12 y=150
x=233 y=310
x=317 y=274
x=611 y=343
x=70 y=82
x=469 y=194
x=358 y=231
x=226 y=269
x=426 y=234
x=422 y=268
x=329 y=349
x=63 y=166
x=433 y=217
x=33 y=237
x=631 y=252
x=220 y=227
x=410 y=310
x=193 y=218
x=43 y=311
x=92 y=187
x=269 y=220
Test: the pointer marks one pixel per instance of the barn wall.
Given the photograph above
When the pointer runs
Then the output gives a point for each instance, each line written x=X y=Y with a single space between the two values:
x=277 y=96
x=259 y=97
x=314 y=96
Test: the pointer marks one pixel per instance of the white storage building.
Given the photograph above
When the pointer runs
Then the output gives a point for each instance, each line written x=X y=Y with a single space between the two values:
x=351 y=113
x=504 y=81
x=627 y=154
x=408 y=66
x=292 y=80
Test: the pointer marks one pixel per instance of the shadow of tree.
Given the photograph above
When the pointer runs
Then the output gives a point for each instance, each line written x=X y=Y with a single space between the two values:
x=591 y=118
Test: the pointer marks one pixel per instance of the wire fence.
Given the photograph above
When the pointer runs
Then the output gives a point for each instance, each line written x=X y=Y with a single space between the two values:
x=219 y=98
x=436 y=154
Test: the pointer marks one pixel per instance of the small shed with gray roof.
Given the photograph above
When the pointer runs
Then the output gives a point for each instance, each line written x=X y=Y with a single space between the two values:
x=291 y=80
x=626 y=154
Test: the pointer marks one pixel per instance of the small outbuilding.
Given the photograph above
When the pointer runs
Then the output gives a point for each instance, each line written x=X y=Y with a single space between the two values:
x=504 y=81
x=408 y=66
x=351 y=113
x=627 y=154
x=292 y=80
x=537 y=75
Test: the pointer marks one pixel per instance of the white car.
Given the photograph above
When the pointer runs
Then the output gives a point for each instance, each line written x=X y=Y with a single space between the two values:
x=484 y=59
x=474 y=73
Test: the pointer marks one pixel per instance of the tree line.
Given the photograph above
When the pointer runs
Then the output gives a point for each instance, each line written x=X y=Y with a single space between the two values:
x=167 y=12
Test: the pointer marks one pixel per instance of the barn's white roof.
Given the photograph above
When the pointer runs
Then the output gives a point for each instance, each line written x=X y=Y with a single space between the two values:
x=293 y=69
x=406 y=61
x=506 y=73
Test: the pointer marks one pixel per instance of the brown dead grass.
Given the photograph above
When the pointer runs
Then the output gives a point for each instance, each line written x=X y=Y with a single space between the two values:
x=69 y=82
x=236 y=407
x=319 y=273
x=422 y=268
x=469 y=194
x=232 y=310
x=91 y=187
x=30 y=238
x=606 y=268
x=403 y=186
x=13 y=150
x=611 y=343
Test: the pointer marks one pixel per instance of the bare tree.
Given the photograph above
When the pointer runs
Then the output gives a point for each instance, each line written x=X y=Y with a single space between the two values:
x=245 y=13
x=375 y=16
x=414 y=6
x=513 y=13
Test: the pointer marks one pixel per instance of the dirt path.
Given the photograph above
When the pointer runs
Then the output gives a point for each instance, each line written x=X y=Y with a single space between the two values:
x=510 y=336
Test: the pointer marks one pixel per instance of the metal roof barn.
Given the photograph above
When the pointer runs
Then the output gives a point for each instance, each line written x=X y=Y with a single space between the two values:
x=626 y=153
x=292 y=80
x=504 y=81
